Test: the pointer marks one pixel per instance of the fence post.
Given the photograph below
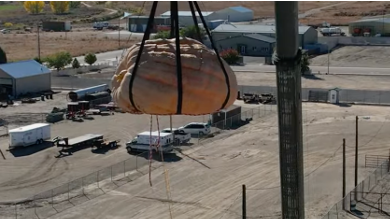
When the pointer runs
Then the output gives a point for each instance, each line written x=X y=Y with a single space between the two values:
x=111 y=173
x=68 y=190
x=124 y=168
x=136 y=160
x=97 y=179
x=16 y=211
x=52 y=198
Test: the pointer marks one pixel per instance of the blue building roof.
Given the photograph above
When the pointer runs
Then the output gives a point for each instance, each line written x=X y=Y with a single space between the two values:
x=188 y=13
x=24 y=68
x=240 y=9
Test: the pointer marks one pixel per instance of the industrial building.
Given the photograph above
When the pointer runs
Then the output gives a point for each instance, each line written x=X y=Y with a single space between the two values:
x=256 y=45
x=23 y=77
x=212 y=18
x=307 y=35
x=139 y=23
x=370 y=27
x=233 y=14
x=185 y=17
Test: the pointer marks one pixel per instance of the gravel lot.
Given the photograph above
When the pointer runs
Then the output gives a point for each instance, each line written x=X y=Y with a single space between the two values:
x=208 y=185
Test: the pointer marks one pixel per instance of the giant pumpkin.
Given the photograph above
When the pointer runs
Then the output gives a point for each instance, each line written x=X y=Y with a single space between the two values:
x=155 y=87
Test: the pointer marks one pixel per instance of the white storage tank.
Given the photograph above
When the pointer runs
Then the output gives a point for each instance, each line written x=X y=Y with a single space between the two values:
x=29 y=135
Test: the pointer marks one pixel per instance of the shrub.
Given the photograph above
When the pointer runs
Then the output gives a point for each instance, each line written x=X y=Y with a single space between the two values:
x=90 y=58
x=59 y=60
x=8 y=24
x=75 y=64
x=230 y=56
x=305 y=62
x=3 y=56
x=38 y=60
x=162 y=34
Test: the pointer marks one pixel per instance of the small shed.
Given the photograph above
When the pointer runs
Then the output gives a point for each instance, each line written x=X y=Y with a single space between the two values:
x=227 y=117
x=334 y=95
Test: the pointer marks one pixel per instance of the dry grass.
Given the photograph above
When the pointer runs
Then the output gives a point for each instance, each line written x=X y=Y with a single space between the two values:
x=24 y=46
x=260 y=9
x=344 y=14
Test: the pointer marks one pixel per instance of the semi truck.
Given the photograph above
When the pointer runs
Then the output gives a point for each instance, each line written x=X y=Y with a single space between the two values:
x=29 y=135
x=143 y=141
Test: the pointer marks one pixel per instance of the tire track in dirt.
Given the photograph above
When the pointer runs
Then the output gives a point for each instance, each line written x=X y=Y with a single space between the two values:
x=51 y=171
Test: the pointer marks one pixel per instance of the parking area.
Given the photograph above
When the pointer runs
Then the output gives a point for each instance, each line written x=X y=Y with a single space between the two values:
x=34 y=169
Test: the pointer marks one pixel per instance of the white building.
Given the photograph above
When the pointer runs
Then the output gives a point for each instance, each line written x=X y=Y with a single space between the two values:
x=233 y=14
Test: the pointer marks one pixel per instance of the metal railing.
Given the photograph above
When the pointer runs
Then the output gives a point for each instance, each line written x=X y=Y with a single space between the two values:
x=53 y=201
x=365 y=197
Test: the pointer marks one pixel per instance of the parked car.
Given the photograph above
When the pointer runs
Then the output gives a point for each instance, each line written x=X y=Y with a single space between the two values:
x=196 y=128
x=5 y=31
x=180 y=135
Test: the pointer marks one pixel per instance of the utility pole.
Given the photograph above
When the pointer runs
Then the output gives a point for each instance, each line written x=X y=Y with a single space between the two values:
x=327 y=45
x=243 y=201
x=119 y=33
x=288 y=74
x=356 y=155
x=39 y=43
x=344 y=173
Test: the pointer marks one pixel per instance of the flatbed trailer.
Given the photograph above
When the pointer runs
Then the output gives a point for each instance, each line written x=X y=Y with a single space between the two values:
x=87 y=139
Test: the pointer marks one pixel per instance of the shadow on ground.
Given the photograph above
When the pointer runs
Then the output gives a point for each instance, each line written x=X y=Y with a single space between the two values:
x=26 y=151
x=312 y=77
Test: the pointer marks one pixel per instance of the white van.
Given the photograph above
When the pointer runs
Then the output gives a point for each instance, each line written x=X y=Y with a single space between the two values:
x=143 y=140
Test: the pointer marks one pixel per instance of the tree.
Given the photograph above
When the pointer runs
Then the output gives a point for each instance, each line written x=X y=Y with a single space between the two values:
x=59 y=60
x=38 y=60
x=34 y=7
x=191 y=32
x=136 y=11
x=75 y=64
x=74 y=4
x=3 y=56
x=59 y=7
x=90 y=58
x=162 y=34
x=230 y=56
x=305 y=62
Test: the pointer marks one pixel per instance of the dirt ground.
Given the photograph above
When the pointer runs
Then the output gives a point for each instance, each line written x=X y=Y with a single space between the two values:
x=343 y=14
x=207 y=184
x=77 y=43
x=27 y=172
x=17 y=15
x=355 y=56
x=260 y=9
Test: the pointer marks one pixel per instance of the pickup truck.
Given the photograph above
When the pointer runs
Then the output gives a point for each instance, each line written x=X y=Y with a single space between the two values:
x=181 y=136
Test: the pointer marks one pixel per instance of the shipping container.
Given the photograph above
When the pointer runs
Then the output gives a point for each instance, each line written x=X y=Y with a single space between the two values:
x=56 y=26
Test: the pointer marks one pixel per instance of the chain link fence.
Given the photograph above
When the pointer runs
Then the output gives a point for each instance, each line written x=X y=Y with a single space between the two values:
x=51 y=202
x=369 y=196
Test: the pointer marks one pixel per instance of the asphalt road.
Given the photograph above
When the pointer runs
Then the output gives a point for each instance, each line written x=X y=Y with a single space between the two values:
x=113 y=55
x=345 y=95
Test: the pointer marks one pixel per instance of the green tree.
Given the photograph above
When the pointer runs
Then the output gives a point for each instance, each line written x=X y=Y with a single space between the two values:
x=59 y=60
x=38 y=60
x=305 y=62
x=90 y=58
x=191 y=32
x=162 y=34
x=230 y=56
x=3 y=56
x=75 y=64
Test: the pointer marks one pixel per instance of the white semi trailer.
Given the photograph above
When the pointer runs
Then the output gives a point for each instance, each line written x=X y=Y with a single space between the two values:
x=29 y=135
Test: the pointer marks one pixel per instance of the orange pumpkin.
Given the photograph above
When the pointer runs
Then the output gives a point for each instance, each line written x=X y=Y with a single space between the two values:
x=154 y=87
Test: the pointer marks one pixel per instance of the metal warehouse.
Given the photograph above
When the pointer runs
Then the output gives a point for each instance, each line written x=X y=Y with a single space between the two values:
x=307 y=34
x=370 y=27
x=248 y=45
x=23 y=77
x=233 y=14
x=185 y=17
x=138 y=23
